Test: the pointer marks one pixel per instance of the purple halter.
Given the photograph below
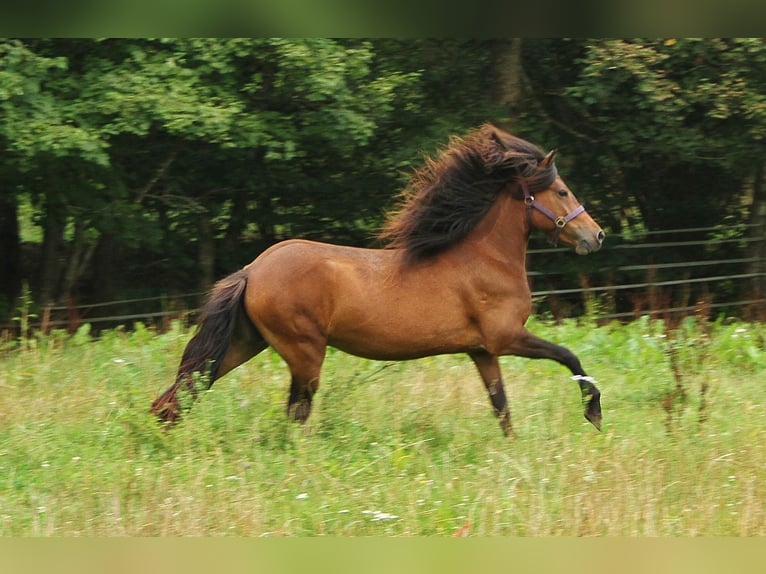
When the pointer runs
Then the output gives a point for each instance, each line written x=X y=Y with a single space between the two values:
x=560 y=221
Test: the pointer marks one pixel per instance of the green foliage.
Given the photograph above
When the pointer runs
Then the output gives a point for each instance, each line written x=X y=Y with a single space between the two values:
x=138 y=140
x=35 y=119
x=390 y=449
x=153 y=152
x=667 y=132
x=24 y=315
x=693 y=98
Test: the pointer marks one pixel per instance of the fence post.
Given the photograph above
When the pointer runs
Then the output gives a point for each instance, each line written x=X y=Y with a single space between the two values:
x=757 y=232
x=45 y=320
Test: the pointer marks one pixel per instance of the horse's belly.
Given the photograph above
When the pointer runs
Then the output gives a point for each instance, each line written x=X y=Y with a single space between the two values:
x=391 y=336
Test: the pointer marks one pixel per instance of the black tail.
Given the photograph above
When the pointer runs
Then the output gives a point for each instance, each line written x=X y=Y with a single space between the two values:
x=207 y=348
x=218 y=317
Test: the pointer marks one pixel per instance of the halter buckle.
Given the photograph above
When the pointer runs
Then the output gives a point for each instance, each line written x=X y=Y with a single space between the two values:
x=560 y=222
x=529 y=200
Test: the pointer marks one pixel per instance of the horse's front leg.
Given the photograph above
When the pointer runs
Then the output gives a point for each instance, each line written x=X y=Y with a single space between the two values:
x=489 y=369
x=528 y=345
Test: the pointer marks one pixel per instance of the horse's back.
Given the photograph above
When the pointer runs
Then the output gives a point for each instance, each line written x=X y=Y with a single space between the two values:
x=301 y=280
x=300 y=261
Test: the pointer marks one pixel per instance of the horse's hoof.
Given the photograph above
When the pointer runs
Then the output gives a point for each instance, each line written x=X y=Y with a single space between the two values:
x=507 y=430
x=593 y=407
x=299 y=411
x=595 y=419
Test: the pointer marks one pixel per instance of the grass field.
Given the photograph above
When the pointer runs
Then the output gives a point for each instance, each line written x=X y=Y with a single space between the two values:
x=396 y=449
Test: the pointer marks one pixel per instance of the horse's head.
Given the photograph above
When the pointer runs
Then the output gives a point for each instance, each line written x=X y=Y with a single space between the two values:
x=556 y=212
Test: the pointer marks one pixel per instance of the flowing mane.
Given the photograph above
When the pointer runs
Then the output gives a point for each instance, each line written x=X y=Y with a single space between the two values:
x=449 y=195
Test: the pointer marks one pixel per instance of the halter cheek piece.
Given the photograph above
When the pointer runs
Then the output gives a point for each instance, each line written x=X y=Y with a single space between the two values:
x=560 y=221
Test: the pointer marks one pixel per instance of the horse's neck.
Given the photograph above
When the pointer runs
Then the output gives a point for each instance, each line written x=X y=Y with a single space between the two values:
x=503 y=233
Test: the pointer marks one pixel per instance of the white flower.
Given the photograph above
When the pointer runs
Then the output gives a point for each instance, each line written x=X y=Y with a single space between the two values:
x=377 y=515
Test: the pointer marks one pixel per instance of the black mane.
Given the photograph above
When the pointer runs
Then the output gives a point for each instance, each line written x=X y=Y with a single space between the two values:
x=449 y=195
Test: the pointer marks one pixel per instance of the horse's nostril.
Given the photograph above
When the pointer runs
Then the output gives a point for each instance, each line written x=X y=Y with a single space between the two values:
x=600 y=235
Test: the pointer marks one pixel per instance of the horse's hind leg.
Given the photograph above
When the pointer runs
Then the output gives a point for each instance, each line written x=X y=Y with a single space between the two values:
x=304 y=360
x=302 y=391
x=489 y=369
x=245 y=344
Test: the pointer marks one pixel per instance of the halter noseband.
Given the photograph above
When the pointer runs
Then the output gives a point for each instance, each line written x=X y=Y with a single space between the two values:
x=560 y=221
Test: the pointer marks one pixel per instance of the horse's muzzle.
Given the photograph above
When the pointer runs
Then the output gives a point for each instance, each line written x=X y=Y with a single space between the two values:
x=590 y=245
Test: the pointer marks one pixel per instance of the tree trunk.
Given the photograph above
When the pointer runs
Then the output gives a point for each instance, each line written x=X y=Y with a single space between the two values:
x=264 y=219
x=51 y=259
x=757 y=233
x=509 y=76
x=206 y=253
x=106 y=272
x=10 y=250
x=237 y=221
x=78 y=261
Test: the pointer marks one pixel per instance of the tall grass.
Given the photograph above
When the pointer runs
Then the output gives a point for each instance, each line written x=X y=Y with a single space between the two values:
x=391 y=448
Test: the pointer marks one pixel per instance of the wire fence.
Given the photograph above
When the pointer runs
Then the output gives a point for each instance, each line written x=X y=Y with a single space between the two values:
x=659 y=273
x=631 y=276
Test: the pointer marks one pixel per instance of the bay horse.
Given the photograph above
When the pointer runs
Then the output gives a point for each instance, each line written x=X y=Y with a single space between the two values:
x=451 y=278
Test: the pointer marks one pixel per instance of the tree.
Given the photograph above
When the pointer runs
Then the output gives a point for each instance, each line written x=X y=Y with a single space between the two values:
x=35 y=130
x=158 y=144
x=156 y=165
x=667 y=117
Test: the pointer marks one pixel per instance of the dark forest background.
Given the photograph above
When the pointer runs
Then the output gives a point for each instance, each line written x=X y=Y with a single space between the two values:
x=142 y=167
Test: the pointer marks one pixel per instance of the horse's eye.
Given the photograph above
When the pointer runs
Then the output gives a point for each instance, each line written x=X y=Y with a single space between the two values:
x=563 y=193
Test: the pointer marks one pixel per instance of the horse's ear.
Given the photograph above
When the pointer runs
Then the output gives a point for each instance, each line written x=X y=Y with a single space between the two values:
x=548 y=159
x=495 y=137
